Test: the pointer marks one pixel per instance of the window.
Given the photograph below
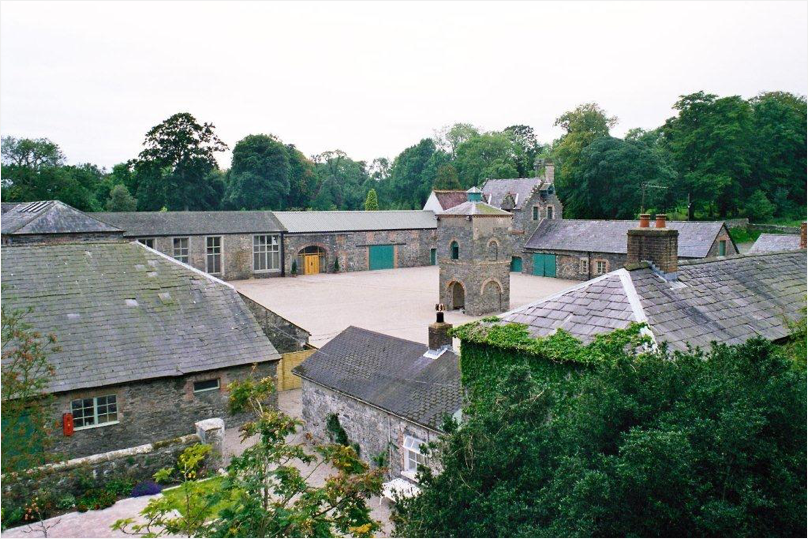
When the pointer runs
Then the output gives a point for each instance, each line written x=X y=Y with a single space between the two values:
x=455 y=250
x=181 y=249
x=549 y=212
x=584 y=266
x=722 y=248
x=601 y=267
x=493 y=250
x=206 y=385
x=535 y=213
x=94 y=411
x=148 y=242
x=412 y=454
x=213 y=260
x=266 y=253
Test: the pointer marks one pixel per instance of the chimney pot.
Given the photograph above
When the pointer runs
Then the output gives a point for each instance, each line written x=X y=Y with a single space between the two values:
x=645 y=220
x=660 y=220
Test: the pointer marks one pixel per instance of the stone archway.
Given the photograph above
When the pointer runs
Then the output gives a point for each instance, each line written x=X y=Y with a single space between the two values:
x=491 y=296
x=456 y=297
x=312 y=259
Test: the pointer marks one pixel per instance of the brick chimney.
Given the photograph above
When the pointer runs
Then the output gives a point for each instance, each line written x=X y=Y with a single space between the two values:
x=658 y=246
x=802 y=236
x=439 y=333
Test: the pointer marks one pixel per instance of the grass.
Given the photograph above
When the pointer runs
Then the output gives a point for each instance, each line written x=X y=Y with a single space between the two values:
x=176 y=495
x=744 y=235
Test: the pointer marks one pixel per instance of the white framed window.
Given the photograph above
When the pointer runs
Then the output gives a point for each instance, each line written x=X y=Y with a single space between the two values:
x=266 y=253
x=202 y=386
x=412 y=455
x=181 y=249
x=601 y=267
x=213 y=254
x=148 y=242
x=584 y=265
x=549 y=212
x=94 y=412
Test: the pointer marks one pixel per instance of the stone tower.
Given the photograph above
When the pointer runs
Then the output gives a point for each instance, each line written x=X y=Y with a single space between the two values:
x=473 y=256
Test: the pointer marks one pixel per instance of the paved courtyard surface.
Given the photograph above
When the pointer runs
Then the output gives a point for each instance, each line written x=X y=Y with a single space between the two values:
x=399 y=302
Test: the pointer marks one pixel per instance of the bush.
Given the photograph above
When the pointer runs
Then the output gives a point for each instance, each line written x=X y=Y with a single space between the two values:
x=758 y=208
x=146 y=488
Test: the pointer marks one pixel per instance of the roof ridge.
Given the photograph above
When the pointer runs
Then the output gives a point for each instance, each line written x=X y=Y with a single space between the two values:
x=365 y=330
x=715 y=259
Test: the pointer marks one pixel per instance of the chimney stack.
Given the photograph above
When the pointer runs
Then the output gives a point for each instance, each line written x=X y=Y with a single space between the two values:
x=802 y=236
x=659 y=246
x=439 y=333
x=549 y=171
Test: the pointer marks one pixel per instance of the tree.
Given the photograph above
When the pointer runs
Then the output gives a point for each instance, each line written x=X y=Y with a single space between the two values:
x=121 y=200
x=342 y=182
x=491 y=155
x=174 y=170
x=302 y=179
x=372 y=201
x=529 y=148
x=649 y=444
x=259 y=174
x=612 y=176
x=450 y=137
x=413 y=173
x=709 y=141
x=581 y=127
x=264 y=494
x=759 y=208
x=33 y=154
x=447 y=178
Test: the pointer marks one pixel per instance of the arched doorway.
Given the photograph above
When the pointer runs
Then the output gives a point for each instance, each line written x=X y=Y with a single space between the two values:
x=311 y=260
x=457 y=296
x=492 y=297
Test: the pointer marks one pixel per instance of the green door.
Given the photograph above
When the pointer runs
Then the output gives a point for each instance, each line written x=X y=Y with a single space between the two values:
x=516 y=264
x=433 y=256
x=381 y=257
x=544 y=265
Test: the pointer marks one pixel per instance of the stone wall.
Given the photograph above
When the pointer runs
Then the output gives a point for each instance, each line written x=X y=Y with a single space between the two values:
x=375 y=431
x=151 y=410
x=352 y=248
x=283 y=334
x=568 y=263
x=774 y=229
x=722 y=236
x=237 y=255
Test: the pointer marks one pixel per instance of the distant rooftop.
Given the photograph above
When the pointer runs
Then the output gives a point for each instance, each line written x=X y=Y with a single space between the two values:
x=50 y=217
x=520 y=189
x=450 y=199
x=480 y=209
x=187 y=223
x=767 y=243
x=354 y=221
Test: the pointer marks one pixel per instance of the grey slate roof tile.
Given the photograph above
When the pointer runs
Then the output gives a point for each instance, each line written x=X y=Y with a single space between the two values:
x=599 y=236
x=354 y=221
x=496 y=190
x=390 y=373
x=188 y=223
x=768 y=243
x=205 y=326
x=51 y=217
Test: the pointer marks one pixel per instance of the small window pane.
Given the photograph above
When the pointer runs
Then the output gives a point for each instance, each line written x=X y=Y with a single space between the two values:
x=214 y=254
x=181 y=249
x=206 y=385
x=148 y=242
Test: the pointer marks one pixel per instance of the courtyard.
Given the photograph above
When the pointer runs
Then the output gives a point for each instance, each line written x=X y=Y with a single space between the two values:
x=399 y=302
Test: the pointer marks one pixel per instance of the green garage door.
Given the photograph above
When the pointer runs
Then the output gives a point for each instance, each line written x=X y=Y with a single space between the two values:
x=382 y=257
x=544 y=265
x=516 y=264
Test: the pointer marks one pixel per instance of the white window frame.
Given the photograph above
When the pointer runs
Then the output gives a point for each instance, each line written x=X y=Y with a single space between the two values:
x=605 y=267
x=95 y=405
x=205 y=390
x=187 y=255
x=411 y=450
x=220 y=253
x=584 y=266
x=271 y=252
x=146 y=241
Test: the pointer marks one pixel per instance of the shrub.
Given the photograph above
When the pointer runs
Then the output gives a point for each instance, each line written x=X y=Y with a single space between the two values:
x=146 y=488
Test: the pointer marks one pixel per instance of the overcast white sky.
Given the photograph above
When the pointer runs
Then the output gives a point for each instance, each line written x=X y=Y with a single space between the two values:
x=372 y=79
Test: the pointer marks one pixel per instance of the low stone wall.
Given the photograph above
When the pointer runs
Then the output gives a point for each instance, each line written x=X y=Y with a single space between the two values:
x=774 y=229
x=737 y=223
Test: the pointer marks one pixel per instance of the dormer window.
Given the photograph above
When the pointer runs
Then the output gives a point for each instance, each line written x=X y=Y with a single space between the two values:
x=455 y=248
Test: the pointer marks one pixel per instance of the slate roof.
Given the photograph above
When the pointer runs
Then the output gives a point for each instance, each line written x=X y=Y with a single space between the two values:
x=296 y=222
x=390 y=373
x=6 y=206
x=599 y=236
x=450 y=199
x=475 y=208
x=724 y=300
x=123 y=312
x=767 y=243
x=51 y=217
x=190 y=223
x=495 y=190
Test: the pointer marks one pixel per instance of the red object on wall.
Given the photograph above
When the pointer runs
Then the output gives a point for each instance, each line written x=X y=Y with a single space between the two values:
x=67 y=424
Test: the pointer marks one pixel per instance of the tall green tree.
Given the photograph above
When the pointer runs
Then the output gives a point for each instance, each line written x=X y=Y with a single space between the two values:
x=175 y=168
x=449 y=138
x=529 y=148
x=413 y=173
x=32 y=154
x=372 y=201
x=447 y=178
x=491 y=155
x=654 y=445
x=342 y=183
x=709 y=141
x=259 y=174
x=302 y=179
x=121 y=200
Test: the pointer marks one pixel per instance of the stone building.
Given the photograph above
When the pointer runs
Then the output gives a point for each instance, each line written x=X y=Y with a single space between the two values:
x=442 y=200
x=390 y=395
x=473 y=256
x=336 y=241
x=52 y=221
x=582 y=249
x=147 y=346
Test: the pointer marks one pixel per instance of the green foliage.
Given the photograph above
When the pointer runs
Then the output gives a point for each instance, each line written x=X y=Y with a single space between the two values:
x=335 y=430
x=447 y=178
x=371 y=201
x=490 y=155
x=635 y=444
x=121 y=200
x=744 y=235
x=758 y=208
x=259 y=175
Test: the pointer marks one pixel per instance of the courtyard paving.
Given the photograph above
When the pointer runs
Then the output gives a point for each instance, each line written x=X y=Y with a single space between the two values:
x=399 y=302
